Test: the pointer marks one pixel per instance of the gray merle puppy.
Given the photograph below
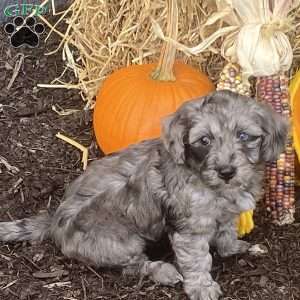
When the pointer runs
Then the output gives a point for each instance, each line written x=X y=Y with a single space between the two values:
x=191 y=184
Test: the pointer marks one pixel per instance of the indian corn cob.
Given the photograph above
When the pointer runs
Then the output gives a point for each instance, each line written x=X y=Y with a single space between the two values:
x=280 y=174
x=231 y=79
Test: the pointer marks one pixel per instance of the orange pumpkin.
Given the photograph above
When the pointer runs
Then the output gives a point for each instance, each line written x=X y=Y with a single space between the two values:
x=130 y=104
x=133 y=100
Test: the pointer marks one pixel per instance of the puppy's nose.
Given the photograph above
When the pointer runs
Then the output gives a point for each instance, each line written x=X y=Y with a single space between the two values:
x=226 y=172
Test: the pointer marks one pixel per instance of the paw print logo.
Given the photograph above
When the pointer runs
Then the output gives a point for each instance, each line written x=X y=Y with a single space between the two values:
x=24 y=32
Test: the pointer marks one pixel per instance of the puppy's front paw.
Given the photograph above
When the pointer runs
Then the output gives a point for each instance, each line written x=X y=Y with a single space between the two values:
x=237 y=247
x=242 y=246
x=203 y=289
x=211 y=292
x=162 y=272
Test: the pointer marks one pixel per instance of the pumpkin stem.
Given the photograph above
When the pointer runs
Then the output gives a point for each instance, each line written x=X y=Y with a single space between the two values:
x=164 y=69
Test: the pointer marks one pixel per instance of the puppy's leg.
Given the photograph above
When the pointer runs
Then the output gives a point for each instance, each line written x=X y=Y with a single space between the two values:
x=194 y=260
x=101 y=238
x=227 y=242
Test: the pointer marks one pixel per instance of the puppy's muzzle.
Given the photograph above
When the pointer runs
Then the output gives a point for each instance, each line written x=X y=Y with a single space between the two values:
x=226 y=172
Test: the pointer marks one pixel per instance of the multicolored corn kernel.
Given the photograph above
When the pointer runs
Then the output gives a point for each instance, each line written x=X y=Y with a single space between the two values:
x=280 y=175
x=231 y=79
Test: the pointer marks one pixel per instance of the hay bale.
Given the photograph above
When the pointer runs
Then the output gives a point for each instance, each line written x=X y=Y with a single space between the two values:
x=104 y=35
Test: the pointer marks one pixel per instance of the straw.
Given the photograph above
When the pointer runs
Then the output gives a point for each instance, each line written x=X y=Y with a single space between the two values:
x=105 y=35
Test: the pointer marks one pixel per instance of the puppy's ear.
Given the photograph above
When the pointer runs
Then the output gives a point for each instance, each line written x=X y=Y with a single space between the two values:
x=173 y=134
x=175 y=128
x=276 y=129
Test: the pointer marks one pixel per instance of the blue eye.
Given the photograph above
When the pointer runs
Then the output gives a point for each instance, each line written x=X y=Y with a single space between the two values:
x=243 y=136
x=205 y=140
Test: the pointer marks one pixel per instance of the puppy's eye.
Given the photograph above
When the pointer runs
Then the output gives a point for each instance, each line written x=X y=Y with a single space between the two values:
x=243 y=136
x=205 y=140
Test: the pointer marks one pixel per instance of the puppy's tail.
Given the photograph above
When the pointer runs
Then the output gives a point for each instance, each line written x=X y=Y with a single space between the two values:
x=29 y=229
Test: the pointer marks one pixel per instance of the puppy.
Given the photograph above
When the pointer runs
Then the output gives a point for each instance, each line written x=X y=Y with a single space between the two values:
x=192 y=184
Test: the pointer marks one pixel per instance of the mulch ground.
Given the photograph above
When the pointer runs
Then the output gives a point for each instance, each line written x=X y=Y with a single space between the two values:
x=46 y=165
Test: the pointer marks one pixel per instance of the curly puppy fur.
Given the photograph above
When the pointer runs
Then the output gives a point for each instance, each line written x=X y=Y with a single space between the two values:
x=192 y=184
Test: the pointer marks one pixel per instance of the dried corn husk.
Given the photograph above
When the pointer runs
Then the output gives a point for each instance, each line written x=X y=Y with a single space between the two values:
x=254 y=34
